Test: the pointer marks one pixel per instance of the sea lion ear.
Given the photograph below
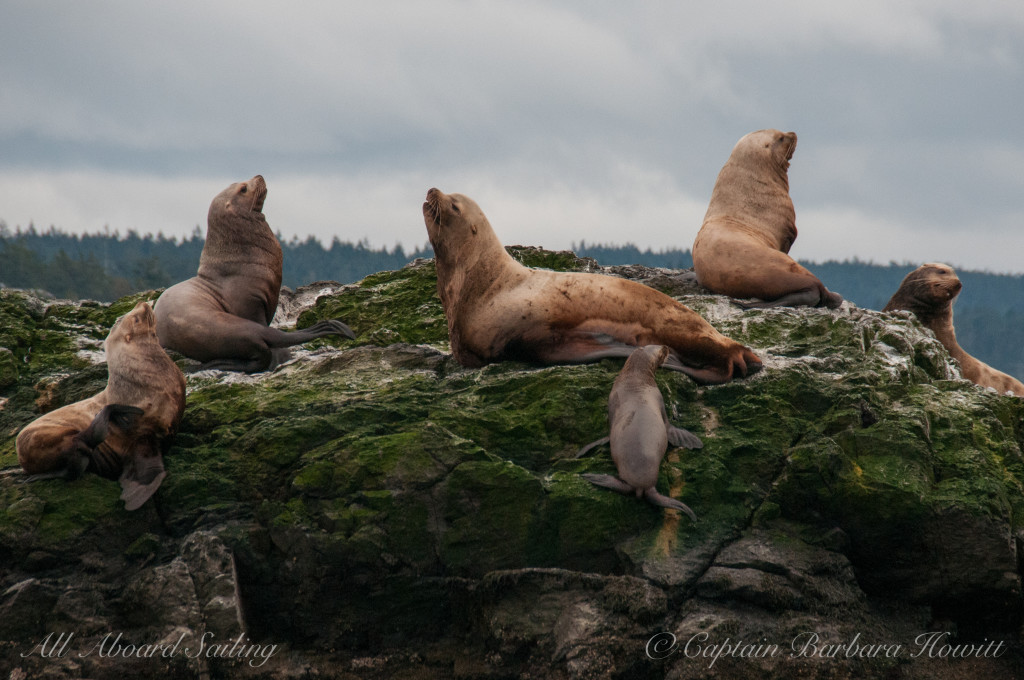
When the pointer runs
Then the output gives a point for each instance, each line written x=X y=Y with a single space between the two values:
x=127 y=338
x=472 y=227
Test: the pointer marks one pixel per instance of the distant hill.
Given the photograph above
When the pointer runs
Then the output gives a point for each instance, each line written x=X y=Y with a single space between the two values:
x=108 y=265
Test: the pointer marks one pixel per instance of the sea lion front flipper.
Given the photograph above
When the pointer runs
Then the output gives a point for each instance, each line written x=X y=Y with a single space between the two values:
x=808 y=297
x=677 y=436
x=608 y=482
x=240 y=365
x=122 y=415
x=591 y=445
x=745 y=366
x=577 y=347
x=134 y=494
x=142 y=475
x=656 y=498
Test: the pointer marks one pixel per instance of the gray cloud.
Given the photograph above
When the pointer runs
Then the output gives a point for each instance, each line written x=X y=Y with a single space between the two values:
x=574 y=120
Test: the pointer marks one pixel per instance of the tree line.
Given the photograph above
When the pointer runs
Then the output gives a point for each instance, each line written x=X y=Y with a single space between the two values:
x=106 y=265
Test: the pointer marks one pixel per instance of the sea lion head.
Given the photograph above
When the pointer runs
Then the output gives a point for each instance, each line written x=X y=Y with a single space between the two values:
x=928 y=292
x=134 y=326
x=771 y=146
x=453 y=221
x=933 y=284
x=647 y=358
x=241 y=199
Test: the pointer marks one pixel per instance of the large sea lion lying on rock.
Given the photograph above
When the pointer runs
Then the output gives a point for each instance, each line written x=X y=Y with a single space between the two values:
x=640 y=430
x=122 y=432
x=222 y=315
x=929 y=292
x=498 y=309
x=742 y=248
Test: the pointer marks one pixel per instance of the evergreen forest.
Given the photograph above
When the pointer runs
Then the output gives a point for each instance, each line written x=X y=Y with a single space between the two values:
x=989 y=313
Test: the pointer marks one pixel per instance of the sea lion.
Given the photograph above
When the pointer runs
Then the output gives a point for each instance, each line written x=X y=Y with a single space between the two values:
x=929 y=292
x=640 y=430
x=498 y=309
x=122 y=432
x=742 y=248
x=222 y=315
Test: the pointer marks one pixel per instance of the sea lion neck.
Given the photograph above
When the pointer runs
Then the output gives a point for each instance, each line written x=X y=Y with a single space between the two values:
x=642 y=364
x=468 y=254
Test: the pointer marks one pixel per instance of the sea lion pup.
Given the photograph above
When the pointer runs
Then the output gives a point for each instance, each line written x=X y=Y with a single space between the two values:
x=640 y=430
x=742 y=248
x=122 y=432
x=222 y=315
x=498 y=309
x=929 y=292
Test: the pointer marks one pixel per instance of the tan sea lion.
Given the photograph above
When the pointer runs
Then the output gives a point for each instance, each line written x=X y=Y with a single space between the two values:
x=222 y=315
x=929 y=292
x=122 y=432
x=640 y=430
x=742 y=248
x=498 y=309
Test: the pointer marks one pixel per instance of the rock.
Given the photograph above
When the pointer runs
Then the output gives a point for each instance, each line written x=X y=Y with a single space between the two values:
x=372 y=509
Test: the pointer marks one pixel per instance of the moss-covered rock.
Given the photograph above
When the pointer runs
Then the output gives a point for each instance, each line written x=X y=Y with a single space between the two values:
x=373 y=506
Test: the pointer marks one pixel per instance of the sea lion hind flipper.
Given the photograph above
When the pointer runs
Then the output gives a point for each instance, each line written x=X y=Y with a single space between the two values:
x=656 y=498
x=608 y=482
x=336 y=327
x=276 y=338
x=677 y=436
x=77 y=463
x=591 y=445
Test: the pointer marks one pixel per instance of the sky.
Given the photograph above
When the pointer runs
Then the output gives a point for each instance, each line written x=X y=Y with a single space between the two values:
x=592 y=121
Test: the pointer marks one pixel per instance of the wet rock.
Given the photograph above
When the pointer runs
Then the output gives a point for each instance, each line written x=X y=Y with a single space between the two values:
x=372 y=509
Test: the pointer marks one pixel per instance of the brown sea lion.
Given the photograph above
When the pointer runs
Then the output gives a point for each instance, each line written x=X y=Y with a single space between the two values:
x=122 y=432
x=498 y=309
x=742 y=248
x=640 y=430
x=929 y=292
x=222 y=315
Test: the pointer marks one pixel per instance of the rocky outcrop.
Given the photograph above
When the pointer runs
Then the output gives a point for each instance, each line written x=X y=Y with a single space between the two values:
x=371 y=509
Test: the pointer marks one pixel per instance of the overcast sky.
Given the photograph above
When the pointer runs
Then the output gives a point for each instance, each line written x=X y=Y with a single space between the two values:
x=604 y=122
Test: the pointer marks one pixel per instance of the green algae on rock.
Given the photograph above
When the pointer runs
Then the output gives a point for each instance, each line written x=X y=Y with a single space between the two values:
x=372 y=491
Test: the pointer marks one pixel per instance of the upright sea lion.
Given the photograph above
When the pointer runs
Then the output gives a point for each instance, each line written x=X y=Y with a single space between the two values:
x=742 y=248
x=222 y=315
x=929 y=292
x=498 y=309
x=122 y=432
x=640 y=430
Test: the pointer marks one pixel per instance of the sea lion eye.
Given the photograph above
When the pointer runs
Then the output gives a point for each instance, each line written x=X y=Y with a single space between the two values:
x=455 y=209
x=243 y=189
